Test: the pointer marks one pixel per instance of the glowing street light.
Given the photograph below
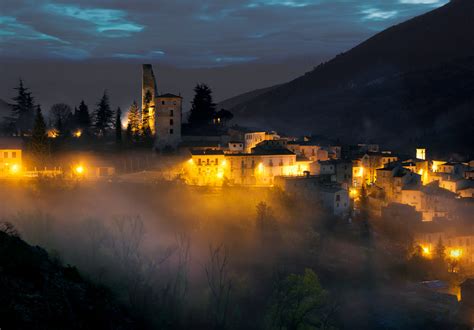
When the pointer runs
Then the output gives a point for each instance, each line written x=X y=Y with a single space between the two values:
x=15 y=169
x=455 y=253
x=426 y=251
x=77 y=134
x=79 y=169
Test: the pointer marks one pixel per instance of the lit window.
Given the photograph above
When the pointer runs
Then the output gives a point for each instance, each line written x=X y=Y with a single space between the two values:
x=5 y=154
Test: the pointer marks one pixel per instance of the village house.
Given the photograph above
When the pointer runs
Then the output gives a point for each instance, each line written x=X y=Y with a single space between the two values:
x=340 y=171
x=458 y=242
x=10 y=156
x=312 y=188
x=393 y=179
x=259 y=168
x=254 y=138
x=371 y=161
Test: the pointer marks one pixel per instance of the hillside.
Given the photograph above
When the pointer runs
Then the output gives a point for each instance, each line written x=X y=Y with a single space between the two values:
x=404 y=86
x=39 y=293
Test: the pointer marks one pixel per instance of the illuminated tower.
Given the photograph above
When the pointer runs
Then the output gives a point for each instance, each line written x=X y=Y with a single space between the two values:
x=421 y=153
x=168 y=121
x=149 y=94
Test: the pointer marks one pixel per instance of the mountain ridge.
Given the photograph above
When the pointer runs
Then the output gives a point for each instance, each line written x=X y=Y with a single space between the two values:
x=342 y=97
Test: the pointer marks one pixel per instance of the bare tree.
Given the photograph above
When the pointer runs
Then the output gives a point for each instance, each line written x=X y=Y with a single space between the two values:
x=220 y=286
x=175 y=291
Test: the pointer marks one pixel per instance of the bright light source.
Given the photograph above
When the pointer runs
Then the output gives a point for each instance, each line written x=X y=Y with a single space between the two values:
x=190 y=161
x=77 y=134
x=79 y=169
x=220 y=175
x=426 y=251
x=15 y=168
x=455 y=253
x=224 y=162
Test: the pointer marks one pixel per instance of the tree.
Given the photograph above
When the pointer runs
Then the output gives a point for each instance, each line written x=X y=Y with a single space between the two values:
x=103 y=115
x=224 y=116
x=83 y=119
x=61 y=117
x=39 y=140
x=23 y=108
x=203 y=108
x=134 y=125
x=118 y=126
x=220 y=286
x=298 y=302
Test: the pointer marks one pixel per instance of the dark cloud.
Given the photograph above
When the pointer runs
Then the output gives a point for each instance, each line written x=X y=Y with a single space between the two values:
x=194 y=33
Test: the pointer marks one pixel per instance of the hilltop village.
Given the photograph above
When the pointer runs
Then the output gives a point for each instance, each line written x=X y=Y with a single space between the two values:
x=433 y=196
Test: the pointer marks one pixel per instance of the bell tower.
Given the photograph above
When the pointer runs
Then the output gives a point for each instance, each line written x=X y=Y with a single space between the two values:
x=149 y=94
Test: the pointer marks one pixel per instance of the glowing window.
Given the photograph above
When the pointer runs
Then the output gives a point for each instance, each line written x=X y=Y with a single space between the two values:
x=14 y=154
x=5 y=154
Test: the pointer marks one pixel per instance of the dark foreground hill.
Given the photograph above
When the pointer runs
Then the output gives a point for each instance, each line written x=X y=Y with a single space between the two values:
x=38 y=293
x=410 y=84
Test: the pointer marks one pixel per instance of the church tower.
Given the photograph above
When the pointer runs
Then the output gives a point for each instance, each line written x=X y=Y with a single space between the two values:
x=149 y=94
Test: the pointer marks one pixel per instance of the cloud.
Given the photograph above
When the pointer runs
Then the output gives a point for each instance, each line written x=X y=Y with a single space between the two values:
x=11 y=29
x=378 y=15
x=105 y=20
x=196 y=33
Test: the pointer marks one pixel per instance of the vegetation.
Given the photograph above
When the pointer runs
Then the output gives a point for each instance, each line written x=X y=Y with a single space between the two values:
x=203 y=109
x=103 y=115
x=23 y=109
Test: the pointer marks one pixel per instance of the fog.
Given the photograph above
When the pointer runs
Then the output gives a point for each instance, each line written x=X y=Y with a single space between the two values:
x=185 y=257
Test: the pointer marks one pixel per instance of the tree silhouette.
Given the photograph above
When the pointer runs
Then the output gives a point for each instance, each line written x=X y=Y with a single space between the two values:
x=118 y=127
x=23 y=108
x=103 y=115
x=82 y=115
x=39 y=140
x=203 y=109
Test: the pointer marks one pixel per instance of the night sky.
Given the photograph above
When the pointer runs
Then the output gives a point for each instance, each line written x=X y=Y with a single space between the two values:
x=190 y=34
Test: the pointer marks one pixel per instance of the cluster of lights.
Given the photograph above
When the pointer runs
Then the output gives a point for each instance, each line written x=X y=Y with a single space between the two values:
x=77 y=134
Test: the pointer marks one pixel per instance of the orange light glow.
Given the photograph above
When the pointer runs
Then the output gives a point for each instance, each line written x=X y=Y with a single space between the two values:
x=77 y=134
x=455 y=253
x=426 y=251
x=15 y=169
x=79 y=169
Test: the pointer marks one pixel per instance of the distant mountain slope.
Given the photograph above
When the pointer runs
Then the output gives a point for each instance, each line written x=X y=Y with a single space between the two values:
x=406 y=84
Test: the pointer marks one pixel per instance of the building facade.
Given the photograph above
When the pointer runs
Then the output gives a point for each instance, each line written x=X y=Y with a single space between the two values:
x=168 y=114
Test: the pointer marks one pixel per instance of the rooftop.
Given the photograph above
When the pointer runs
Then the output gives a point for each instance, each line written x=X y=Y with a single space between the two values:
x=169 y=95
x=196 y=152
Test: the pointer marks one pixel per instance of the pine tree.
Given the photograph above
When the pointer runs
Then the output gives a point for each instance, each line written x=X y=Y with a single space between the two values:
x=23 y=108
x=39 y=139
x=103 y=115
x=83 y=118
x=203 y=108
x=118 y=126
x=134 y=125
